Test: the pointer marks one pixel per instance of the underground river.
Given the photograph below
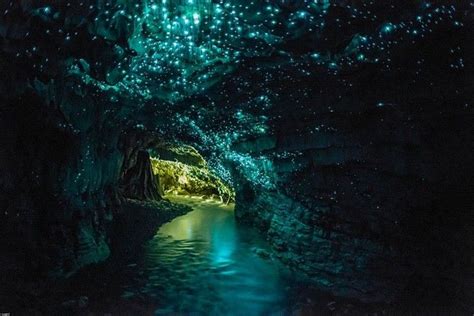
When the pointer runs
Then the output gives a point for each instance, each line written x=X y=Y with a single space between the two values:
x=204 y=263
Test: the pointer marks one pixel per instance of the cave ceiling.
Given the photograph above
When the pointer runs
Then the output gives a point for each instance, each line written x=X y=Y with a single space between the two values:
x=215 y=72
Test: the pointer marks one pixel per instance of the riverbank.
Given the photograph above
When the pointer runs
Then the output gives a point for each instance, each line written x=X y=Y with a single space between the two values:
x=132 y=227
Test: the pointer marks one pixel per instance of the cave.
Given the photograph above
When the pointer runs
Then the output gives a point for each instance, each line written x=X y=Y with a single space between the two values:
x=229 y=157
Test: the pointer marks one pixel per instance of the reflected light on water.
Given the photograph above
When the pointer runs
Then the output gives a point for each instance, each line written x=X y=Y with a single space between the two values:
x=203 y=263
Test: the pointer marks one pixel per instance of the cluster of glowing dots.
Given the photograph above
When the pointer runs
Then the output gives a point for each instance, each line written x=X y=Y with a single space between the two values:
x=186 y=43
x=185 y=37
x=183 y=46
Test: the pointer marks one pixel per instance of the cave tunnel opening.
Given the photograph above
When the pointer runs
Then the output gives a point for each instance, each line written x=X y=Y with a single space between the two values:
x=156 y=170
x=182 y=170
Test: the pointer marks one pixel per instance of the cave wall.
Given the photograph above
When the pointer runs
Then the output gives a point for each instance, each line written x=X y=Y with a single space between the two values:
x=58 y=187
x=369 y=199
x=61 y=154
x=62 y=187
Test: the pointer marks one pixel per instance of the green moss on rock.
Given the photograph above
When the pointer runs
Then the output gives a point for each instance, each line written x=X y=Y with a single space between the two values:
x=179 y=178
x=185 y=154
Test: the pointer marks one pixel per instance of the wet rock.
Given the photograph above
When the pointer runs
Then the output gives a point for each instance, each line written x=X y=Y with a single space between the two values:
x=262 y=253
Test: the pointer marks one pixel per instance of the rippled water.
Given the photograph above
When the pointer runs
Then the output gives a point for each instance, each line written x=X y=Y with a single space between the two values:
x=205 y=263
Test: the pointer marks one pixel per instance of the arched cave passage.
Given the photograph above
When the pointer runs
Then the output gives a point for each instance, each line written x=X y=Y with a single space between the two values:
x=343 y=127
x=181 y=170
x=153 y=168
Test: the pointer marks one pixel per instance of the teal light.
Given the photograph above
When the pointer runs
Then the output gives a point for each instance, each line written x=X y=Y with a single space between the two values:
x=388 y=28
x=184 y=39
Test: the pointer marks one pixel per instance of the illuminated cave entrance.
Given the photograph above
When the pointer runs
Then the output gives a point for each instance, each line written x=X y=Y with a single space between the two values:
x=163 y=170
x=181 y=170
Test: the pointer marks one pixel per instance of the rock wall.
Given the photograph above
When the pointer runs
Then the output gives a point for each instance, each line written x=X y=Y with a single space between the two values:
x=137 y=178
x=58 y=188
x=369 y=199
x=60 y=156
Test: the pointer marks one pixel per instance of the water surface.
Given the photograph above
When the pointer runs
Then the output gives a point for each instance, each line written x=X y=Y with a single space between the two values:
x=204 y=263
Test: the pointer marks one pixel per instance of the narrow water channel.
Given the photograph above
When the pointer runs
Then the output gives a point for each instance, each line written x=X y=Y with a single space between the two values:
x=204 y=263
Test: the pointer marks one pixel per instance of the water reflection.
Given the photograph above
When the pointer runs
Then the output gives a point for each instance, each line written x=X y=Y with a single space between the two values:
x=203 y=263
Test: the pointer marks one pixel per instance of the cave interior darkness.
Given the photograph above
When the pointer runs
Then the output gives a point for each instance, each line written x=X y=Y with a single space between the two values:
x=339 y=131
